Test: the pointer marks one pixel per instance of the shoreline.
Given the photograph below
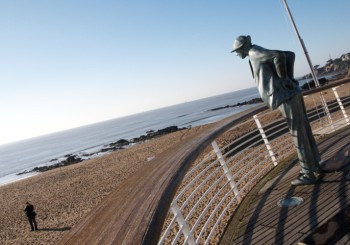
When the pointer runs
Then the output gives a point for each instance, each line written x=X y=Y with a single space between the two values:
x=82 y=155
x=99 y=151
x=11 y=178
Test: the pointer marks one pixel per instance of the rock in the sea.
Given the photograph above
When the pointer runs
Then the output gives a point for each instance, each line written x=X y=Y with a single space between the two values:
x=311 y=84
x=73 y=159
x=123 y=142
x=119 y=143
x=249 y=102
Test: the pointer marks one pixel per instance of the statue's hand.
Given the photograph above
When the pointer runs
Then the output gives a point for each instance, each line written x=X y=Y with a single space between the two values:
x=289 y=83
x=295 y=82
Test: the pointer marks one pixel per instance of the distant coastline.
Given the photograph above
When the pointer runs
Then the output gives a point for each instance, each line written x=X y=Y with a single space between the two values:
x=339 y=65
x=121 y=144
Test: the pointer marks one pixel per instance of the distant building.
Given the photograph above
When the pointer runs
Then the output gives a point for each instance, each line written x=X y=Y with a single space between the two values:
x=332 y=65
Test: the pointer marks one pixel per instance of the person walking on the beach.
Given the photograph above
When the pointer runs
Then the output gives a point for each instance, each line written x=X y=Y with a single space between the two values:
x=29 y=209
x=273 y=73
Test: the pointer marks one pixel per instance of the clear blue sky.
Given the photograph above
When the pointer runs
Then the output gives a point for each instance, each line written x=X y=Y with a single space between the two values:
x=67 y=63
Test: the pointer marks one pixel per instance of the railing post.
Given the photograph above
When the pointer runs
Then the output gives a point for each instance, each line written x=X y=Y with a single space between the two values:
x=341 y=105
x=182 y=223
x=226 y=170
x=266 y=141
x=327 y=112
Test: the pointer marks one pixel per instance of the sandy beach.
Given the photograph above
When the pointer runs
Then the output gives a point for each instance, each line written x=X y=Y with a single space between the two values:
x=64 y=195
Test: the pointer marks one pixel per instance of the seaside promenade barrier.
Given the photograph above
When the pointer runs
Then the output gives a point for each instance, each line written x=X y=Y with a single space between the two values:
x=188 y=194
x=222 y=176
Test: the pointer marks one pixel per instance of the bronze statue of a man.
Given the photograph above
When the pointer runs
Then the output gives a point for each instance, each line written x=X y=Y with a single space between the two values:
x=273 y=71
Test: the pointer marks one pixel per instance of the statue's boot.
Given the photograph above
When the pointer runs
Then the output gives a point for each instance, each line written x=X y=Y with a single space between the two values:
x=305 y=179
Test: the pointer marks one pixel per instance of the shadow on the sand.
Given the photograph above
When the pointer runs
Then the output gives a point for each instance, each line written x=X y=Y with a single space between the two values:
x=55 y=229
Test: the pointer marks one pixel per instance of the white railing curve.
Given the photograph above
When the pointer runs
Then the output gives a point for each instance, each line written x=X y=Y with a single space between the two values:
x=226 y=171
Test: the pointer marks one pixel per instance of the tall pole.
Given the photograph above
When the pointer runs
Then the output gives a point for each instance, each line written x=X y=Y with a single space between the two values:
x=302 y=44
x=325 y=107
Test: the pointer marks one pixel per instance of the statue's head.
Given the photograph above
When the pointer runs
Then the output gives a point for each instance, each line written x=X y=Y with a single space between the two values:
x=241 y=46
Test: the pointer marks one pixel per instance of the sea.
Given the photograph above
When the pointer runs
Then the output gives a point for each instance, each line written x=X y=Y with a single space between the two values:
x=49 y=149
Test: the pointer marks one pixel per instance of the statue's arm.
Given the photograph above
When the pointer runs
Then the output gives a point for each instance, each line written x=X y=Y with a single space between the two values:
x=273 y=57
x=281 y=65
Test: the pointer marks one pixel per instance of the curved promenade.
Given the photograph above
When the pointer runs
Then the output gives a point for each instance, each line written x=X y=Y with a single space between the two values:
x=134 y=213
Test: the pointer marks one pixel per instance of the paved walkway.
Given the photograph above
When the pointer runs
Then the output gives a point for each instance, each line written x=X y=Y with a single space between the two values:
x=322 y=218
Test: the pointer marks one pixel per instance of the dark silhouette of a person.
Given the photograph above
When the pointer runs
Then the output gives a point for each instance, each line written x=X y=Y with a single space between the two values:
x=29 y=209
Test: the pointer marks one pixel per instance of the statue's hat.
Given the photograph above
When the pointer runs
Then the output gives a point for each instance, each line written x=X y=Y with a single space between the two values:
x=239 y=42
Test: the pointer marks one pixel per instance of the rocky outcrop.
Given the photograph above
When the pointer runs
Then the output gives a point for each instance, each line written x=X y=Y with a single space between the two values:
x=70 y=159
x=249 y=102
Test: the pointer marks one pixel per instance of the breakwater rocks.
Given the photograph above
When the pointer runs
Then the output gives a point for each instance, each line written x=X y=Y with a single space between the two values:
x=249 y=102
x=55 y=163
x=120 y=144
x=84 y=155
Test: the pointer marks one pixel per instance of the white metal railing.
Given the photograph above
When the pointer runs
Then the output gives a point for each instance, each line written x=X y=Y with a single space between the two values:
x=228 y=169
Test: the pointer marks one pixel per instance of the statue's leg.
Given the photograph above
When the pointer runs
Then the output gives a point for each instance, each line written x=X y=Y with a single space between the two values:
x=295 y=114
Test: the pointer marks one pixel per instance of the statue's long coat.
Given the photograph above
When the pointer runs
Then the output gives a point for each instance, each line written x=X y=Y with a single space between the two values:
x=273 y=74
x=271 y=69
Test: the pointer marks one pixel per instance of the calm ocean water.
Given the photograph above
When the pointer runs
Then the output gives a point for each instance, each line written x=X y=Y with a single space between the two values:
x=27 y=154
